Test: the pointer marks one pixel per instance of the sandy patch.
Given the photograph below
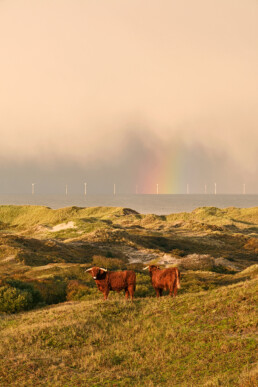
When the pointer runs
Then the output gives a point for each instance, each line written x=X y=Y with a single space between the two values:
x=51 y=265
x=139 y=256
x=8 y=259
x=62 y=226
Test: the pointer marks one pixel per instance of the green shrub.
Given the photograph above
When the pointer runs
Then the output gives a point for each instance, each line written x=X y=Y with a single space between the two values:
x=14 y=300
x=76 y=290
x=16 y=296
x=36 y=297
x=52 y=291
x=108 y=263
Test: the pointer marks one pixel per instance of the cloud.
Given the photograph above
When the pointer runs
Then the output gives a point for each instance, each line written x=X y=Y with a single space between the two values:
x=110 y=90
x=144 y=160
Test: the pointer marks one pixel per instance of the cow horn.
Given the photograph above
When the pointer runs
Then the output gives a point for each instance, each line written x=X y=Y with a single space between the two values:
x=101 y=268
x=89 y=269
x=146 y=267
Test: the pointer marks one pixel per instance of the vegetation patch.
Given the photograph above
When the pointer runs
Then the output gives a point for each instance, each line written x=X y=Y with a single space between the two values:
x=207 y=338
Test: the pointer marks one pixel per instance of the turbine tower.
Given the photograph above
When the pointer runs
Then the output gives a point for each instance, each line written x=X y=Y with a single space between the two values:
x=215 y=188
x=187 y=189
x=157 y=189
x=244 y=189
x=32 y=188
x=114 y=188
x=85 y=189
x=66 y=189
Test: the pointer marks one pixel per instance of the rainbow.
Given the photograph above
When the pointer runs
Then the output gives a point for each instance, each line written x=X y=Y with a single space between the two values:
x=166 y=170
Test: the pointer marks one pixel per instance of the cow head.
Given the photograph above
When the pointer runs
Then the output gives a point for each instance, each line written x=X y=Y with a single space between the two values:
x=97 y=272
x=152 y=268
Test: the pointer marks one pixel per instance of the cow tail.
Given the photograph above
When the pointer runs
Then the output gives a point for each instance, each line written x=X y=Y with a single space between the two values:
x=178 y=279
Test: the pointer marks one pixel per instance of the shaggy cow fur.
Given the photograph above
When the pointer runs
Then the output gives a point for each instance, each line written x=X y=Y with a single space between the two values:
x=114 y=280
x=165 y=279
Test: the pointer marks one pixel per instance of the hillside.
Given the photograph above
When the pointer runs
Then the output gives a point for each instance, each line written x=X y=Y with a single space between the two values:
x=36 y=236
x=205 y=338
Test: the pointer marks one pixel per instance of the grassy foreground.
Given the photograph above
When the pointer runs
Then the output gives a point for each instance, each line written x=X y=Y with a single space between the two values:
x=204 y=337
x=197 y=339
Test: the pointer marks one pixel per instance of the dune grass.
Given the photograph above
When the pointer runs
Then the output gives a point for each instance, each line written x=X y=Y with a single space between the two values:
x=22 y=216
x=33 y=215
x=218 y=216
x=197 y=339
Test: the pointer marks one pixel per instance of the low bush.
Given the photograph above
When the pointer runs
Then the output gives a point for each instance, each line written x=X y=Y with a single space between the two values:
x=76 y=290
x=14 y=300
x=16 y=296
x=52 y=291
x=108 y=263
x=25 y=286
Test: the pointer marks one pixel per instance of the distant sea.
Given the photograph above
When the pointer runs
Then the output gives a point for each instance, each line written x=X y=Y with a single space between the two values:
x=145 y=204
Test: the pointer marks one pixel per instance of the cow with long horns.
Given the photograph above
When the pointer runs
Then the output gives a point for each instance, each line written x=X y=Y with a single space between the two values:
x=164 y=279
x=114 y=280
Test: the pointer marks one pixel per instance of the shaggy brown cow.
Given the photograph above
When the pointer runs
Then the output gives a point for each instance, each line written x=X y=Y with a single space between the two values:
x=114 y=280
x=165 y=279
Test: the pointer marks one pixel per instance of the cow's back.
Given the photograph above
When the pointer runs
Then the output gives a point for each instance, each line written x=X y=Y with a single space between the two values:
x=121 y=279
x=164 y=278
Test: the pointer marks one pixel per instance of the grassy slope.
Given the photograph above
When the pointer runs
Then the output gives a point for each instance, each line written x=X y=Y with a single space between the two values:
x=21 y=216
x=219 y=216
x=196 y=339
x=33 y=215
x=206 y=338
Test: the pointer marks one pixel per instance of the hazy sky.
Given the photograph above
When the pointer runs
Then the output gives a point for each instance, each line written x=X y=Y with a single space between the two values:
x=136 y=92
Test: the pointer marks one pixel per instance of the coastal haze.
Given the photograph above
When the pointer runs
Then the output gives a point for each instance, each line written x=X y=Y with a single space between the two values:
x=136 y=93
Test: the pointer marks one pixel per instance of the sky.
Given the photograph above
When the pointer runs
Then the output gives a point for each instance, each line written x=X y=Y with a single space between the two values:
x=132 y=92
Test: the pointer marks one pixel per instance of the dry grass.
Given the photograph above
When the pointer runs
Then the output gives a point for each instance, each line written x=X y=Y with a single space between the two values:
x=196 y=339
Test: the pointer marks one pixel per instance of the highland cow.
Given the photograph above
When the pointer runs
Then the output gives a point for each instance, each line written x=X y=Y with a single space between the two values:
x=164 y=279
x=116 y=281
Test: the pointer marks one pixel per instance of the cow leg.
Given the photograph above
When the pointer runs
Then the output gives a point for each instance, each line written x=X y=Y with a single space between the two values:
x=175 y=288
x=158 y=292
x=171 y=289
x=126 y=293
x=131 y=291
x=106 y=294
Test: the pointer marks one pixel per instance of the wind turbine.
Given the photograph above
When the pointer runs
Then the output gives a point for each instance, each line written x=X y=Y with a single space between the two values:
x=32 y=188
x=85 y=189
